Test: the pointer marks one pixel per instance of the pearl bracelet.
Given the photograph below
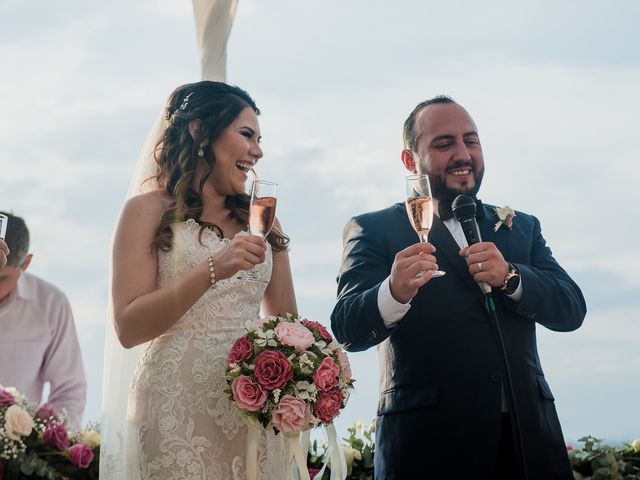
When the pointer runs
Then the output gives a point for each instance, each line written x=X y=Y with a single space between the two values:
x=212 y=272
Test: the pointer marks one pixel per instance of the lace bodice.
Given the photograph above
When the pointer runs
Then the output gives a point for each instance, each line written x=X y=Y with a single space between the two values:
x=181 y=422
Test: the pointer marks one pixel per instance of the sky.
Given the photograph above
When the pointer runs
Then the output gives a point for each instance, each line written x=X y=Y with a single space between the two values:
x=551 y=85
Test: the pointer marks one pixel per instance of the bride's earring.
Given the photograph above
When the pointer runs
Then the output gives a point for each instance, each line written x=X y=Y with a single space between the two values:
x=201 y=152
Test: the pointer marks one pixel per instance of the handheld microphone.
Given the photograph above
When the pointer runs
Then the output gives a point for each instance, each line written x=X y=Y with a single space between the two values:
x=464 y=209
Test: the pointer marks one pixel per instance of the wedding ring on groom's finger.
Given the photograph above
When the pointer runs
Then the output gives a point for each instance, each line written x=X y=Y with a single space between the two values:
x=479 y=267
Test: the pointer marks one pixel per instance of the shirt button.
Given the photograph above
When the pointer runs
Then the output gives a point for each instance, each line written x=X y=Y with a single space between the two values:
x=495 y=376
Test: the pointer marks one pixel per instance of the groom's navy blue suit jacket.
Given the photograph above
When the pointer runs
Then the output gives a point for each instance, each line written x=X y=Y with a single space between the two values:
x=441 y=376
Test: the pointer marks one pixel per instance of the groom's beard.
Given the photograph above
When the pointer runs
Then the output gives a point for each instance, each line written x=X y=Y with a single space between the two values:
x=446 y=195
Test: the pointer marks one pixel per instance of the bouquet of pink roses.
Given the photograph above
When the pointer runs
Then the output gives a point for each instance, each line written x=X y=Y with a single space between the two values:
x=35 y=442
x=288 y=373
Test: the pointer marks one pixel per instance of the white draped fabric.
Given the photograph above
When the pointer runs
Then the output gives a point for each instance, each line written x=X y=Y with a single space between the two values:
x=214 y=19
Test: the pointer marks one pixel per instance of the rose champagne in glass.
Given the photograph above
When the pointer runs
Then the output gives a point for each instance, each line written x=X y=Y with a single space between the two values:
x=419 y=205
x=262 y=213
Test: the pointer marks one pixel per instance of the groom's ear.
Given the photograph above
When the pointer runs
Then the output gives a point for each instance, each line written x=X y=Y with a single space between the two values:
x=408 y=160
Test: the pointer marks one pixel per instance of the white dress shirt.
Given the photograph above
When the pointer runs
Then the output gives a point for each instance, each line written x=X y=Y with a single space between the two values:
x=38 y=344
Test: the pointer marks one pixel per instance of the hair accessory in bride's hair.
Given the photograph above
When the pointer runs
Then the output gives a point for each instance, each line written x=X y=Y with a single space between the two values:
x=185 y=102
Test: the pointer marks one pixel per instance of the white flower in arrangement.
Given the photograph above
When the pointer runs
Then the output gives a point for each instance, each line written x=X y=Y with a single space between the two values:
x=335 y=346
x=234 y=368
x=359 y=425
x=17 y=422
x=91 y=438
x=305 y=390
x=276 y=395
x=320 y=344
x=266 y=338
x=636 y=445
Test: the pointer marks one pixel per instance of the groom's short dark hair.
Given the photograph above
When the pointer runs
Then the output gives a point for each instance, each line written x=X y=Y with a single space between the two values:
x=409 y=134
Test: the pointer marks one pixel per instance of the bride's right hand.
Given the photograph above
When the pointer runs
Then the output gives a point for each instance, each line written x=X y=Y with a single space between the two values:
x=242 y=253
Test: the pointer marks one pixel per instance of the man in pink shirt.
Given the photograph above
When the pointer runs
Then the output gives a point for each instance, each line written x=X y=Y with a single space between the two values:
x=38 y=342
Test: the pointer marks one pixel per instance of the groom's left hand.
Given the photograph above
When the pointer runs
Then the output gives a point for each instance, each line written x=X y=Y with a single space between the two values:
x=486 y=263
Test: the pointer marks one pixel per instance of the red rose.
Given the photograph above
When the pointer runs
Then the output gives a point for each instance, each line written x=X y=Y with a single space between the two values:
x=56 y=436
x=241 y=350
x=81 y=455
x=247 y=394
x=273 y=370
x=6 y=398
x=328 y=406
x=313 y=471
x=324 y=333
x=326 y=376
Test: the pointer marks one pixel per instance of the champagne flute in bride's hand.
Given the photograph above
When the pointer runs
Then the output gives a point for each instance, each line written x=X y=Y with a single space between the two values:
x=419 y=205
x=262 y=213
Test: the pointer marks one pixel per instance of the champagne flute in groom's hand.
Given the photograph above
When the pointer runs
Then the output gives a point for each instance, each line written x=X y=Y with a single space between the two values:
x=262 y=213
x=419 y=205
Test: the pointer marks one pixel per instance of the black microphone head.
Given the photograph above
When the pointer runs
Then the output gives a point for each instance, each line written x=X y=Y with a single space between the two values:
x=463 y=207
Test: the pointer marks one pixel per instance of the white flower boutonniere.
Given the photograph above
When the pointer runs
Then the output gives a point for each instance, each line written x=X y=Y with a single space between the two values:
x=505 y=217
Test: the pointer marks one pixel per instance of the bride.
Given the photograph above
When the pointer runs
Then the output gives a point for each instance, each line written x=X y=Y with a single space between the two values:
x=178 y=250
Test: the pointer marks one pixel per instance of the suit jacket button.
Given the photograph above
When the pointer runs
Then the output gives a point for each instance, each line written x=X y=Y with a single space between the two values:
x=495 y=376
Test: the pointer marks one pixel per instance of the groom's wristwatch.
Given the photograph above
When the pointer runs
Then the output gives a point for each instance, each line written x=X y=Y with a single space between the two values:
x=511 y=281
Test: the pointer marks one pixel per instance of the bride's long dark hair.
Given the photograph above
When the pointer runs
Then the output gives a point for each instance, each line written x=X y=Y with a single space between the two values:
x=216 y=105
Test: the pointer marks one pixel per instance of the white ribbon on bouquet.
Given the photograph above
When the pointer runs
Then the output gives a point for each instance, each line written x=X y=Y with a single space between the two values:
x=298 y=446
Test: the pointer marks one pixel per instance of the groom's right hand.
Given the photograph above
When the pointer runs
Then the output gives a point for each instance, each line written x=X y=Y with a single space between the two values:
x=405 y=282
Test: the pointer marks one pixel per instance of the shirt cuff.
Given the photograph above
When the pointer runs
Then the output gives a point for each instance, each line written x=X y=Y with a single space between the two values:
x=515 y=296
x=391 y=310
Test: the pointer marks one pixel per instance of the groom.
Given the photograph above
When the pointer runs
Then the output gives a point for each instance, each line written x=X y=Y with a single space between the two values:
x=448 y=407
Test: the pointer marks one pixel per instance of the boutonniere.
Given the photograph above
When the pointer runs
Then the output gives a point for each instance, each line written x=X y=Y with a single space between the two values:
x=505 y=217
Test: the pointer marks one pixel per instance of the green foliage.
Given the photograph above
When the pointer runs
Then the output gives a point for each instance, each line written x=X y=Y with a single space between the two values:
x=599 y=461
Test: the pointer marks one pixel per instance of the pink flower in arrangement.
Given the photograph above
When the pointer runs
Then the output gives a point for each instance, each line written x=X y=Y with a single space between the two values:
x=291 y=414
x=55 y=435
x=569 y=448
x=324 y=333
x=345 y=366
x=326 y=376
x=248 y=394
x=313 y=471
x=241 y=350
x=81 y=455
x=328 y=406
x=295 y=335
x=45 y=411
x=272 y=369
x=6 y=398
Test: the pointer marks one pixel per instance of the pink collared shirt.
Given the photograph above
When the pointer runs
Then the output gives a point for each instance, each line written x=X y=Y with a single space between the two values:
x=38 y=344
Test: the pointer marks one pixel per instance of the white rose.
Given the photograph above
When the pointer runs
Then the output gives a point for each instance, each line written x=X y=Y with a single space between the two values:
x=91 y=438
x=636 y=445
x=17 y=422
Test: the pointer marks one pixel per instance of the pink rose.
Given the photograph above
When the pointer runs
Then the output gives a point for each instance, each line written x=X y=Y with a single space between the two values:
x=6 y=398
x=45 y=412
x=324 y=333
x=345 y=366
x=569 y=448
x=241 y=350
x=328 y=406
x=272 y=369
x=81 y=455
x=313 y=471
x=326 y=376
x=291 y=414
x=17 y=422
x=295 y=335
x=248 y=394
x=55 y=435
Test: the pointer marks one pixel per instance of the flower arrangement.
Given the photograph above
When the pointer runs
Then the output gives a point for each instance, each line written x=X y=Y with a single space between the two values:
x=36 y=443
x=505 y=217
x=288 y=373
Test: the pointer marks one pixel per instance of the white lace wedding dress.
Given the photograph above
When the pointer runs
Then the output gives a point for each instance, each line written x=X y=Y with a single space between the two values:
x=181 y=423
